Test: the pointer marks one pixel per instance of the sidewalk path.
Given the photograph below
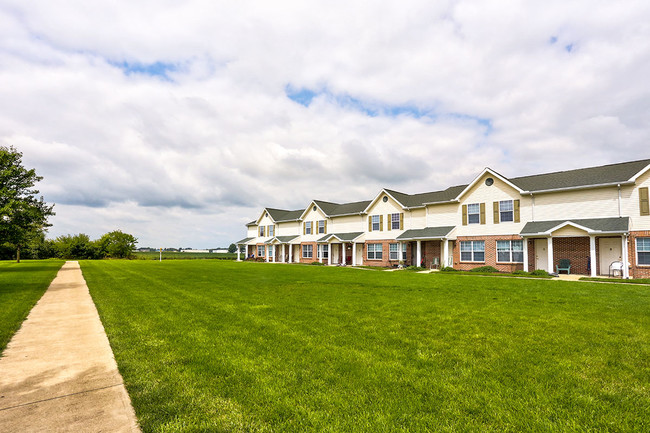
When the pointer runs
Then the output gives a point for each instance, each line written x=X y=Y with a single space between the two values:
x=58 y=373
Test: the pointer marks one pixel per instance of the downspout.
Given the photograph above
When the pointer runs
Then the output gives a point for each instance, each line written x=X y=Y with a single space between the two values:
x=619 y=200
x=533 y=197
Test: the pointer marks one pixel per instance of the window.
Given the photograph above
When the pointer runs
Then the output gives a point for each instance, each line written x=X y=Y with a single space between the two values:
x=374 y=252
x=271 y=248
x=260 y=251
x=474 y=213
x=375 y=223
x=506 y=211
x=323 y=251
x=307 y=251
x=271 y=231
x=261 y=231
x=393 y=251
x=321 y=226
x=643 y=251
x=472 y=251
x=394 y=221
x=308 y=228
x=510 y=251
x=404 y=251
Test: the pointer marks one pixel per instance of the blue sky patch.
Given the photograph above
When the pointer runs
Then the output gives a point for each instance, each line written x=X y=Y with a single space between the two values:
x=157 y=69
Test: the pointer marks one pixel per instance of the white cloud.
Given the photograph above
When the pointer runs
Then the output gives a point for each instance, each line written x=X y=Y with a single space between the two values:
x=188 y=158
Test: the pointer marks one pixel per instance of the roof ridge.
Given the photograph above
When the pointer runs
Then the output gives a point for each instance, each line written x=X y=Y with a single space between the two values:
x=581 y=169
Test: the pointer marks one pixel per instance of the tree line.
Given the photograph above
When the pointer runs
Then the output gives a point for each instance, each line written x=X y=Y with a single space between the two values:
x=24 y=221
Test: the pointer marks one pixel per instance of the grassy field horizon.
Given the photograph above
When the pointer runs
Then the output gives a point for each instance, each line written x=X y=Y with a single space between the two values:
x=223 y=346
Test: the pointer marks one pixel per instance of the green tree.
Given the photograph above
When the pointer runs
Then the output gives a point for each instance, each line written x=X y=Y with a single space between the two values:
x=23 y=216
x=117 y=244
x=232 y=248
x=77 y=247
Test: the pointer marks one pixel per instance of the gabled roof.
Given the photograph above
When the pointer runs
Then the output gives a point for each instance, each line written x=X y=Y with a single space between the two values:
x=426 y=233
x=339 y=209
x=278 y=215
x=485 y=171
x=343 y=237
x=245 y=240
x=612 y=174
x=281 y=239
x=590 y=225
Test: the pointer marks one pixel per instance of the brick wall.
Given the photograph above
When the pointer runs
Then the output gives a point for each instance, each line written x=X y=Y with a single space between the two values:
x=385 y=261
x=575 y=249
x=490 y=253
x=637 y=271
x=314 y=257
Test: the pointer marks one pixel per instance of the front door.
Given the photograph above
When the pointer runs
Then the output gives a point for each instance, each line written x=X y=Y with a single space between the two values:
x=541 y=254
x=609 y=251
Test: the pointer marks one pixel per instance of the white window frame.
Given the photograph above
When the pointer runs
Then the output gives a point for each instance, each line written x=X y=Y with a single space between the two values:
x=307 y=251
x=271 y=248
x=262 y=249
x=375 y=220
x=271 y=230
x=376 y=251
x=308 y=228
x=321 y=228
x=394 y=221
x=474 y=250
x=510 y=250
x=260 y=231
x=393 y=251
x=323 y=250
x=470 y=213
x=510 y=211
x=403 y=250
x=646 y=249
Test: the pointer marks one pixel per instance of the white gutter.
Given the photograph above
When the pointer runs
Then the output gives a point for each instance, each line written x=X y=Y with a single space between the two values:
x=619 y=200
x=599 y=185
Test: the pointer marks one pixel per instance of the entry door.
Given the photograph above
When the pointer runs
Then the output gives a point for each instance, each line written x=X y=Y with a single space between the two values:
x=359 y=255
x=609 y=251
x=541 y=254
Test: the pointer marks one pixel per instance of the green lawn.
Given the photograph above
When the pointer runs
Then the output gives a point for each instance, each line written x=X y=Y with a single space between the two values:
x=175 y=255
x=21 y=286
x=224 y=346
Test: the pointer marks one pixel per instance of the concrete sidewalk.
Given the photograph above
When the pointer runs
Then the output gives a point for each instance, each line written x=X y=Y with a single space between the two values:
x=58 y=373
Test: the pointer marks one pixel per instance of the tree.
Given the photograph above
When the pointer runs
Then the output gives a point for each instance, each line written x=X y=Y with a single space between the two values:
x=232 y=248
x=23 y=216
x=117 y=244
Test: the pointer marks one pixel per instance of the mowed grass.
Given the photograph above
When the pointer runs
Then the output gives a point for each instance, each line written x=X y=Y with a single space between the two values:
x=175 y=255
x=253 y=347
x=21 y=286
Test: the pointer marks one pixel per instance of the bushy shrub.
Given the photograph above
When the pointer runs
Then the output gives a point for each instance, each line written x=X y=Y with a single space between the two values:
x=448 y=269
x=316 y=263
x=414 y=268
x=487 y=269
x=520 y=272
x=539 y=273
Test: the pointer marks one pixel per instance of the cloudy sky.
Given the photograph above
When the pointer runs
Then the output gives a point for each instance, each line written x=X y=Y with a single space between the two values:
x=179 y=121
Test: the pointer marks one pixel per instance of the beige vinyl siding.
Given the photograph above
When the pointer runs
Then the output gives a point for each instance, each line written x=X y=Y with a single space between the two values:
x=630 y=203
x=585 y=203
x=347 y=224
x=569 y=231
x=383 y=210
x=314 y=217
x=289 y=228
x=251 y=231
x=481 y=193
x=442 y=215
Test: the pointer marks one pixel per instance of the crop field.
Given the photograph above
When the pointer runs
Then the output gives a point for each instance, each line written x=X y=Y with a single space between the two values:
x=209 y=345
x=21 y=286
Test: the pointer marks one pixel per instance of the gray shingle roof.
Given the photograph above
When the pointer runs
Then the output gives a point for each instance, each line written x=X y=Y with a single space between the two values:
x=282 y=239
x=243 y=241
x=417 y=200
x=341 y=236
x=336 y=209
x=605 y=174
x=606 y=225
x=280 y=215
x=426 y=233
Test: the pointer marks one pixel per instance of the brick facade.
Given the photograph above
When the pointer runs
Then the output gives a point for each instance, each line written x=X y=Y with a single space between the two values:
x=490 y=253
x=637 y=271
x=385 y=253
x=575 y=249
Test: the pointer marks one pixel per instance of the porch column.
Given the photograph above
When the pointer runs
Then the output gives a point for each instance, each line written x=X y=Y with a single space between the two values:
x=344 y=253
x=549 y=250
x=624 y=256
x=419 y=254
x=290 y=252
x=238 y=250
x=445 y=253
x=329 y=254
x=354 y=253
x=525 y=243
x=283 y=251
x=275 y=253
x=266 y=251
x=592 y=254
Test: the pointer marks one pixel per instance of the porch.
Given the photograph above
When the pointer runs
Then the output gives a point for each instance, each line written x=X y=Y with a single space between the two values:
x=341 y=249
x=430 y=246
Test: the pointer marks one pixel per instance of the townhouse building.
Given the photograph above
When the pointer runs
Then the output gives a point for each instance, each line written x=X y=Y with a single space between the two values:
x=594 y=217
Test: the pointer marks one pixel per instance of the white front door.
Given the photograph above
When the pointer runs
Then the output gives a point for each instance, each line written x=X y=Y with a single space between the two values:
x=359 y=255
x=541 y=254
x=609 y=251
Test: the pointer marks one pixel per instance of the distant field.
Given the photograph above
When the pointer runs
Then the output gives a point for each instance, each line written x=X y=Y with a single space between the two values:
x=172 y=255
x=21 y=286
x=255 y=347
